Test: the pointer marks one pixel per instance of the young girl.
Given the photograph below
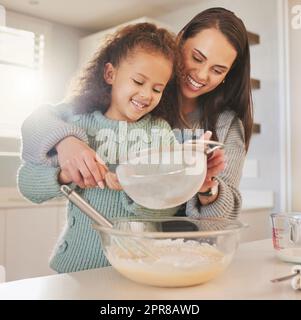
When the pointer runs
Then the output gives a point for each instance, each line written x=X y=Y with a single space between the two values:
x=123 y=84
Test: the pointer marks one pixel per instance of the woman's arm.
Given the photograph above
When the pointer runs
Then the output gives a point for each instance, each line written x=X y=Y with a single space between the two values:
x=44 y=129
x=38 y=183
x=48 y=138
x=228 y=202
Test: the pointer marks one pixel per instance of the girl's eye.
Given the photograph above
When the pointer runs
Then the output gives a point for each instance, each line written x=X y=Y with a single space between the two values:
x=138 y=82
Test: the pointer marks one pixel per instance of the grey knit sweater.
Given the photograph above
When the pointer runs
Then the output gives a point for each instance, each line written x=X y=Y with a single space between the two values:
x=79 y=245
x=45 y=127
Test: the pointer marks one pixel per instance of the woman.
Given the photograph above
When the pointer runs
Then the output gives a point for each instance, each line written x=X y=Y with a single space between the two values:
x=213 y=92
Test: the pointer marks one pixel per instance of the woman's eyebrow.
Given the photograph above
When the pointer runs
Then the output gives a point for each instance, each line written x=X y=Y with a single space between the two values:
x=205 y=58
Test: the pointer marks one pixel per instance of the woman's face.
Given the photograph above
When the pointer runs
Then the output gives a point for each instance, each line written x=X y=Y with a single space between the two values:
x=207 y=58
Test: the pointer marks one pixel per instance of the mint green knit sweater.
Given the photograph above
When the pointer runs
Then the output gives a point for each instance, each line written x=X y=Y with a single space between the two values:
x=79 y=246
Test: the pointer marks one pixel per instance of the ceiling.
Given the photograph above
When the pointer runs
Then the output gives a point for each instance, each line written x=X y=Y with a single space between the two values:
x=92 y=15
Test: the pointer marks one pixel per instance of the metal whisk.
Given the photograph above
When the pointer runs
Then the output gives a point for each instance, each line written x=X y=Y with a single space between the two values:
x=132 y=248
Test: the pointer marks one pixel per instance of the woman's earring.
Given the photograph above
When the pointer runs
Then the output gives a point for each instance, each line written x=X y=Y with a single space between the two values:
x=224 y=80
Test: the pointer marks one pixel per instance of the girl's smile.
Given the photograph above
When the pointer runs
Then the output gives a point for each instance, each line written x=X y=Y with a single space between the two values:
x=138 y=105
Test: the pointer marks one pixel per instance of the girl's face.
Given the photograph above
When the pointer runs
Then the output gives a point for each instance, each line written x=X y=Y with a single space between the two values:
x=137 y=84
x=207 y=58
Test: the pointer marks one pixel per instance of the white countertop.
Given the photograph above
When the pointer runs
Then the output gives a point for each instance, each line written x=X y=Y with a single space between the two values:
x=248 y=277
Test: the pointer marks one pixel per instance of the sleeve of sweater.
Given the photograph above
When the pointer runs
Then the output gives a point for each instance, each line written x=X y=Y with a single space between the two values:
x=38 y=183
x=228 y=204
x=43 y=129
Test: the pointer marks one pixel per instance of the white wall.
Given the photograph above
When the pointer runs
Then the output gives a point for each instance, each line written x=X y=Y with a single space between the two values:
x=261 y=17
x=60 y=64
x=295 y=99
x=61 y=51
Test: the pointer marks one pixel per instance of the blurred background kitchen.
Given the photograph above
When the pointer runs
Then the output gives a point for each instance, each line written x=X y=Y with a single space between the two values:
x=43 y=43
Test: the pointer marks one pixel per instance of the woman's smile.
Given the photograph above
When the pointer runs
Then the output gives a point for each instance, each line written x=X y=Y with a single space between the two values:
x=193 y=84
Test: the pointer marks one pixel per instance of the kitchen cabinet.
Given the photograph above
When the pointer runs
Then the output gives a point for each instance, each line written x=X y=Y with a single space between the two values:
x=258 y=221
x=254 y=39
x=256 y=209
x=2 y=236
x=255 y=84
x=28 y=233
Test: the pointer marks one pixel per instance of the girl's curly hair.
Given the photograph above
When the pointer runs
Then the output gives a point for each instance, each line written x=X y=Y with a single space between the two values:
x=90 y=91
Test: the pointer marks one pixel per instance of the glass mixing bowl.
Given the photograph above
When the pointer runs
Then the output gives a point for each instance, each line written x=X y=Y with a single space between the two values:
x=167 y=177
x=170 y=252
x=286 y=233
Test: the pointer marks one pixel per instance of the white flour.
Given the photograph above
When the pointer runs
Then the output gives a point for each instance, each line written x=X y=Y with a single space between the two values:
x=179 y=263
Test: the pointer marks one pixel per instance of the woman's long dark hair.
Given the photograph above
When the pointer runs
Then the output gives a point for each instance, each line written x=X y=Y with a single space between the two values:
x=235 y=93
x=90 y=92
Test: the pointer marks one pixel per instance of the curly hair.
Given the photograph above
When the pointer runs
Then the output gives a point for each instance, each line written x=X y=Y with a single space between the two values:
x=90 y=92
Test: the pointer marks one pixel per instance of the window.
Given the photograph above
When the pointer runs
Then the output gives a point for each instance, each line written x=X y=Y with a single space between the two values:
x=21 y=58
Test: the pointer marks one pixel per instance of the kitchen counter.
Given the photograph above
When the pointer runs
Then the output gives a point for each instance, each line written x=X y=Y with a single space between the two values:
x=247 y=277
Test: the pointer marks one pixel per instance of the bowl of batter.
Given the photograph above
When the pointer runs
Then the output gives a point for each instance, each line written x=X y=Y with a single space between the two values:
x=170 y=252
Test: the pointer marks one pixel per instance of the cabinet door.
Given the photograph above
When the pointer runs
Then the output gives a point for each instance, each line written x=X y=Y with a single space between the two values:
x=259 y=225
x=2 y=236
x=31 y=234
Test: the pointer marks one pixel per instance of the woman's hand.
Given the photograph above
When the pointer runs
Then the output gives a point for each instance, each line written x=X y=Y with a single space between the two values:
x=215 y=165
x=112 y=181
x=80 y=164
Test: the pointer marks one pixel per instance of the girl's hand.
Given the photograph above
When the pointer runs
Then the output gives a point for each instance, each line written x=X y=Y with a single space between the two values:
x=112 y=181
x=80 y=164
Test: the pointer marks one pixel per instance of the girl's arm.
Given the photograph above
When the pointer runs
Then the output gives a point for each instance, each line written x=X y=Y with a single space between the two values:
x=228 y=202
x=44 y=129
